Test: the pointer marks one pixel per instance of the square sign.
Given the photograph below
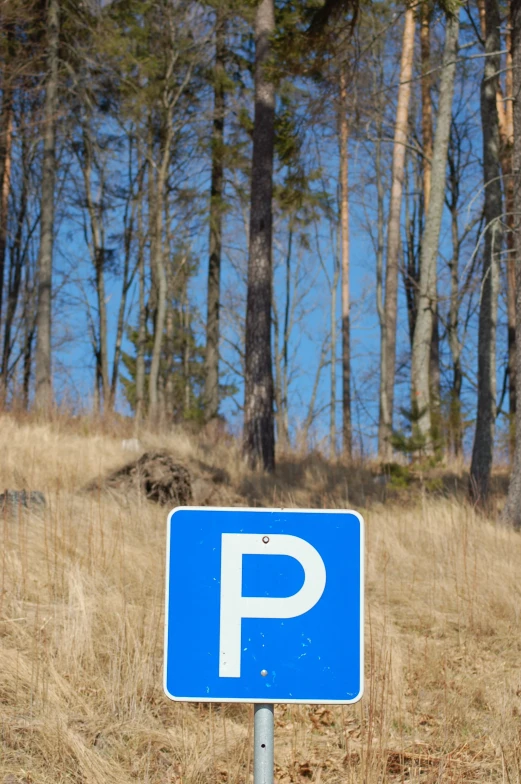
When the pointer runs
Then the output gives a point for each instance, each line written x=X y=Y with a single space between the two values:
x=264 y=605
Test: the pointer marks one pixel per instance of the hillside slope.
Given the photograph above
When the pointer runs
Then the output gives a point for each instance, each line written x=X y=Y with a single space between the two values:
x=81 y=632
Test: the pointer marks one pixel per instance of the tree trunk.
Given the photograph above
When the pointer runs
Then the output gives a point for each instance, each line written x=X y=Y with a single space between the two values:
x=259 y=437
x=283 y=431
x=509 y=185
x=388 y=336
x=308 y=421
x=380 y=219
x=421 y=352
x=159 y=323
x=455 y=418
x=43 y=391
x=17 y=258
x=216 y=223
x=483 y=450
x=426 y=80
x=6 y=143
x=186 y=359
x=98 y=259
x=512 y=511
x=14 y=280
x=411 y=266
x=142 y=327
x=157 y=263
x=347 y=436
x=281 y=352
x=277 y=380
x=332 y=390
x=435 y=381
x=128 y=278
x=427 y=143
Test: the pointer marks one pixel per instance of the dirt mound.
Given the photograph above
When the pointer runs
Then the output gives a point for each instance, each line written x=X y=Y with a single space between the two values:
x=156 y=475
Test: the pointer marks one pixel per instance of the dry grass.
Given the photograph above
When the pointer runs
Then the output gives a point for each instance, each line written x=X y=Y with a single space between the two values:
x=81 y=619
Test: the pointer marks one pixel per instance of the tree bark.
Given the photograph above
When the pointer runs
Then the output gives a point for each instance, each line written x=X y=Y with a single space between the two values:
x=427 y=143
x=347 y=431
x=388 y=336
x=43 y=357
x=332 y=369
x=14 y=277
x=426 y=102
x=283 y=431
x=157 y=264
x=98 y=260
x=483 y=450
x=512 y=511
x=509 y=186
x=259 y=437
x=216 y=224
x=6 y=143
x=159 y=323
x=455 y=418
x=421 y=352
x=142 y=325
x=128 y=276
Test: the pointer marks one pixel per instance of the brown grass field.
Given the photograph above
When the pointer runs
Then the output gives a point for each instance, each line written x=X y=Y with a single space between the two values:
x=81 y=628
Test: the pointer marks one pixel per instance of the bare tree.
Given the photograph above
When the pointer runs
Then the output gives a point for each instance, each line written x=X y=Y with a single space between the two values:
x=259 y=436
x=142 y=310
x=347 y=431
x=390 y=310
x=427 y=299
x=427 y=144
x=43 y=391
x=512 y=511
x=216 y=223
x=506 y=131
x=483 y=450
x=6 y=145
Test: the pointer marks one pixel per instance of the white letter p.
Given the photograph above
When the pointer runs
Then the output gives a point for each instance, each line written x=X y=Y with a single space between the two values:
x=235 y=606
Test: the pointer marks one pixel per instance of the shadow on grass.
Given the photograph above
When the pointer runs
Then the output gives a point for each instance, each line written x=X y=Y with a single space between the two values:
x=315 y=482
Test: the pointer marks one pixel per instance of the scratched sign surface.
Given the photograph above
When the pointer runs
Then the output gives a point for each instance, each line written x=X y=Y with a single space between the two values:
x=264 y=605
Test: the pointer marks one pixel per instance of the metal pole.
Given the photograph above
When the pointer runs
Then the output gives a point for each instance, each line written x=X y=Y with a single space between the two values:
x=263 y=744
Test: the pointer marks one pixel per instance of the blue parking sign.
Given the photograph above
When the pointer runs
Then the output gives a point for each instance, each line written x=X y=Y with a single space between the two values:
x=264 y=605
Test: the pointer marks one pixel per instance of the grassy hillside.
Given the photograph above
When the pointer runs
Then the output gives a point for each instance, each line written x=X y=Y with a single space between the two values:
x=81 y=629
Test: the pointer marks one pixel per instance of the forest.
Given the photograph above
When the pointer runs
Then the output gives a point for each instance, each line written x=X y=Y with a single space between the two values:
x=299 y=219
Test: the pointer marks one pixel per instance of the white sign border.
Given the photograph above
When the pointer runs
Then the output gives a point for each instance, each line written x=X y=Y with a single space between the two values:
x=266 y=700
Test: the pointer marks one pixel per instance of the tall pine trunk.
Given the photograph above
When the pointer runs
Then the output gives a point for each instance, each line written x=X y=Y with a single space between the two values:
x=388 y=330
x=259 y=436
x=427 y=143
x=512 y=510
x=483 y=450
x=347 y=432
x=426 y=103
x=6 y=144
x=423 y=330
x=216 y=223
x=455 y=417
x=142 y=320
x=332 y=369
x=509 y=185
x=43 y=358
x=157 y=263
x=98 y=257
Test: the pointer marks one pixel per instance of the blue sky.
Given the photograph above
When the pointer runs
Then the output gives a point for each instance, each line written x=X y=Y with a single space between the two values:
x=74 y=363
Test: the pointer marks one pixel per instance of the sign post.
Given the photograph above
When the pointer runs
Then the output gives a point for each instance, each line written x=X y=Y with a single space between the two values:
x=264 y=606
x=263 y=743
